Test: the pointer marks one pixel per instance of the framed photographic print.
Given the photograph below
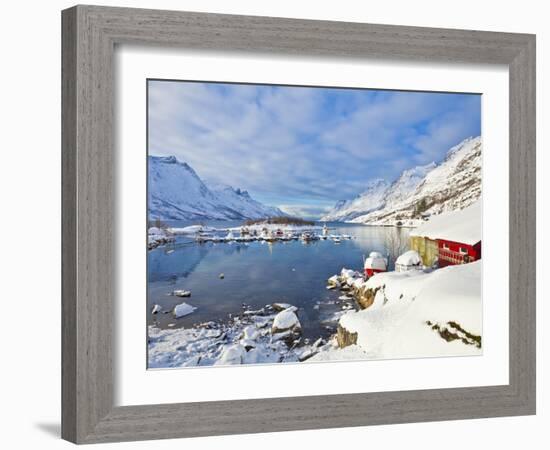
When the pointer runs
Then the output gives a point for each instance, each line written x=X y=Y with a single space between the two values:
x=267 y=222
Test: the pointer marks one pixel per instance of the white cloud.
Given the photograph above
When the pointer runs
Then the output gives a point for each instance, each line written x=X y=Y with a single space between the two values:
x=309 y=143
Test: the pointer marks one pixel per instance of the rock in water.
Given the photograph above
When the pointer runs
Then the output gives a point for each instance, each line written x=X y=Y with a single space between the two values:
x=222 y=276
x=286 y=320
x=156 y=309
x=183 y=309
x=182 y=293
x=282 y=306
x=333 y=282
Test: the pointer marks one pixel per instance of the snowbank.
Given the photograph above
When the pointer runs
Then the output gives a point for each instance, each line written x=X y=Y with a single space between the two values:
x=420 y=314
x=350 y=353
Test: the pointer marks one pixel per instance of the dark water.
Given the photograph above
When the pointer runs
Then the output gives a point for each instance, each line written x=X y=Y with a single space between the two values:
x=258 y=273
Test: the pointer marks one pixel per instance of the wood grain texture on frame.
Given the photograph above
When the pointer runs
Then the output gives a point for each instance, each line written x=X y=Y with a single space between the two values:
x=90 y=34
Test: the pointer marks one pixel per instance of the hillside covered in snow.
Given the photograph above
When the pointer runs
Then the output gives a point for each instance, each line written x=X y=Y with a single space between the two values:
x=175 y=191
x=371 y=199
x=414 y=314
x=421 y=191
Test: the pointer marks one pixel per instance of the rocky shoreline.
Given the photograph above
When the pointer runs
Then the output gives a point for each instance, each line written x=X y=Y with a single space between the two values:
x=272 y=334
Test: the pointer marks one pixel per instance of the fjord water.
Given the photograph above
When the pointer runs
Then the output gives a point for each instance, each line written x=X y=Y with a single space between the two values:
x=256 y=274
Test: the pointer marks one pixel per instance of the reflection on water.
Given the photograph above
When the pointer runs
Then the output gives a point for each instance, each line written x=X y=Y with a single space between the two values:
x=258 y=273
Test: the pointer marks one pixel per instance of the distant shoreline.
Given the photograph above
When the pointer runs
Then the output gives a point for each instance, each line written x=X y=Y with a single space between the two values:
x=282 y=220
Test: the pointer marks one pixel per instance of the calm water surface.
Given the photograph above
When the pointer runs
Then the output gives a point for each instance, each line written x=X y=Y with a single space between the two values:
x=258 y=273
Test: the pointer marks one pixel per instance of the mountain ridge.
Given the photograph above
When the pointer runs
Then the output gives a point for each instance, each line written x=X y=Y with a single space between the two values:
x=420 y=191
x=176 y=192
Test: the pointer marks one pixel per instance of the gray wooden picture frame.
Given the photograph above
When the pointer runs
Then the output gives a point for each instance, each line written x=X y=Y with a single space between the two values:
x=90 y=34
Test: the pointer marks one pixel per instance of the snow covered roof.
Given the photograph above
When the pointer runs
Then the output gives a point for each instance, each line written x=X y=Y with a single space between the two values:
x=377 y=263
x=462 y=226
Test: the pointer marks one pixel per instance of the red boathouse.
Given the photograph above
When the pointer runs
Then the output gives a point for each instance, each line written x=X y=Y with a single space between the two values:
x=450 y=252
x=457 y=234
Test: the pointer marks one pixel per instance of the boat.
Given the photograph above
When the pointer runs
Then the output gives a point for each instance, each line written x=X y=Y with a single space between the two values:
x=308 y=236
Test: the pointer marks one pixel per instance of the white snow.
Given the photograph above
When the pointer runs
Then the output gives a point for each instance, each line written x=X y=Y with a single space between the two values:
x=181 y=293
x=370 y=200
x=409 y=258
x=458 y=226
x=376 y=263
x=453 y=184
x=272 y=227
x=396 y=325
x=183 y=309
x=349 y=353
x=250 y=332
x=155 y=231
x=286 y=320
x=232 y=354
x=177 y=192
x=245 y=339
x=334 y=281
x=192 y=229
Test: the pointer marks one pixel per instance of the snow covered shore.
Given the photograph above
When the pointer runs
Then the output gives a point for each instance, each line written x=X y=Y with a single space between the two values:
x=158 y=236
x=414 y=314
x=269 y=335
x=194 y=229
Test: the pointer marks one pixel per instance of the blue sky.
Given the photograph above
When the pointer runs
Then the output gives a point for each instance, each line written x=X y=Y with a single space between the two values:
x=303 y=148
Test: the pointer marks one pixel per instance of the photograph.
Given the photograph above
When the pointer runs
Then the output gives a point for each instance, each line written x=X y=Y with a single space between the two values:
x=302 y=224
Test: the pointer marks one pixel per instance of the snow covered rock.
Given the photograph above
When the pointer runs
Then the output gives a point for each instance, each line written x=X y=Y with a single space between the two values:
x=155 y=231
x=183 y=309
x=231 y=355
x=286 y=320
x=333 y=281
x=407 y=261
x=156 y=309
x=283 y=306
x=181 y=293
x=248 y=344
x=250 y=333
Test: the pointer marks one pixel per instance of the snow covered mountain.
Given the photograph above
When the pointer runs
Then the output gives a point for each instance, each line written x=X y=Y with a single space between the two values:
x=421 y=191
x=177 y=192
x=372 y=199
